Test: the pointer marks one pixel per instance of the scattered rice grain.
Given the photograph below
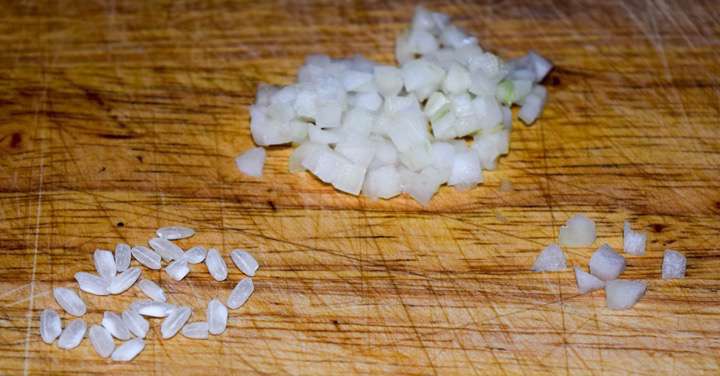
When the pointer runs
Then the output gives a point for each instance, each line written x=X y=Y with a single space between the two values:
x=101 y=341
x=147 y=257
x=50 y=325
x=115 y=325
x=216 y=265
x=124 y=280
x=72 y=335
x=241 y=293
x=128 y=350
x=175 y=321
x=175 y=232
x=244 y=261
x=69 y=301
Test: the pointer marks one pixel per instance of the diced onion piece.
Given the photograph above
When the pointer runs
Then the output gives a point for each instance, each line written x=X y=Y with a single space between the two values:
x=388 y=80
x=606 y=264
x=533 y=104
x=443 y=156
x=358 y=151
x=587 y=282
x=633 y=241
x=349 y=178
x=457 y=80
x=295 y=163
x=437 y=105
x=579 y=231
x=551 y=259
x=623 y=294
x=370 y=101
x=421 y=186
x=417 y=157
x=251 y=162
x=421 y=73
x=383 y=182
x=540 y=65
x=488 y=111
x=321 y=136
x=466 y=170
x=674 y=264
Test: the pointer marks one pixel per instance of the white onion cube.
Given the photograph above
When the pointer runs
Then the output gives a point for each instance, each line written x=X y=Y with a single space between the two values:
x=673 y=265
x=551 y=259
x=623 y=294
x=578 y=231
x=633 y=241
x=606 y=264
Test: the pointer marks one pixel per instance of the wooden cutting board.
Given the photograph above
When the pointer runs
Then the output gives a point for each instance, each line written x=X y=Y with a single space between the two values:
x=117 y=117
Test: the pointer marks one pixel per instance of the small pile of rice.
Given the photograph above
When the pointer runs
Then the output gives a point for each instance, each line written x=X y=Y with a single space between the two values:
x=115 y=275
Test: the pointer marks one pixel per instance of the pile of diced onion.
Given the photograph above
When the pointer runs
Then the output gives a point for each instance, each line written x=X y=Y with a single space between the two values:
x=441 y=117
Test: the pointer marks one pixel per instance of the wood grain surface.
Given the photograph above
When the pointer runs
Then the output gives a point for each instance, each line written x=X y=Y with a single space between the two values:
x=117 y=117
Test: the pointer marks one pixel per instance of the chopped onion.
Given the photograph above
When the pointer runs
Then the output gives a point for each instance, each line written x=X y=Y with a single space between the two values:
x=383 y=182
x=623 y=294
x=579 y=231
x=606 y=264
x=633 y=241
x=251 y=162
x=587 y=282
x=551 y=259
x=382 y=130
x=466 y=170
x=674 y=264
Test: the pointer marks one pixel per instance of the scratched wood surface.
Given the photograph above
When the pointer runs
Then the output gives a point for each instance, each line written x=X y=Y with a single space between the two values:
x=117 y=117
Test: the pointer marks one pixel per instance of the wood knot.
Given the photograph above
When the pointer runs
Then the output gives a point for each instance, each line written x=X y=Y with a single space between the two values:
x=15 y=140
x=657 y=227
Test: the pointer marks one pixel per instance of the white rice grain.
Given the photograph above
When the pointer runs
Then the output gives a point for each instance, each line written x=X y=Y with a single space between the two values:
x=178 y=269
x=196 y=254
x=93 y=284
x=122 y=257
x=175 y=321
x=166 y=249
x=136 y=305
x=69 y=301
x=72 y=335
x=175 y=232
x=152 y=290
x=217 y=315
x=241 y=293
x=147 y=257
x=216 y=265
x=195 y=330
x=50 y=325
x=244 y=261
x=104 y=263
x=101 y=341
x=156 y=309
x=128 y=350
x=135 y=323
x=124 y=280
x=115 y=325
